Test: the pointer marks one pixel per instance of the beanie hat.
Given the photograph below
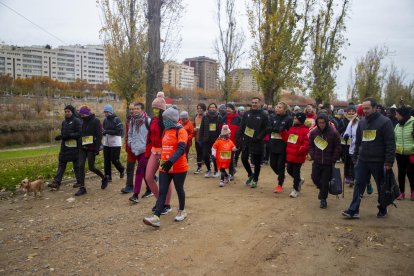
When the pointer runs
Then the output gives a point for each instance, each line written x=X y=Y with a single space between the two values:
x=301 y=117
x=108 y=108
x=360 y=111
x=184 y=115
x=351 y=107
x=231 y=106
x=240 y=108
x=341 y=112
x=222 y=108
x=297 y=108
x=84 y=110
x=404 y=111
x=225 y=130
x=171 y=114
x=71 y=108
x=159 y=101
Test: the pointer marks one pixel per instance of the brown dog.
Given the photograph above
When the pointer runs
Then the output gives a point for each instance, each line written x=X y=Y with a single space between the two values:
x=33 y=186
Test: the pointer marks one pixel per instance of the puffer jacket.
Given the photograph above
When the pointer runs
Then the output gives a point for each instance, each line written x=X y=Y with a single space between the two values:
x=404 y=137
x=91 y=126
x=71 y=134
x=297 y=138
x=253 y=129
x=277 y=125
x=210 y=127
x=112 y=125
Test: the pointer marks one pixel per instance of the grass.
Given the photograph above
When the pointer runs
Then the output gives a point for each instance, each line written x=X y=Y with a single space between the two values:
x=29 y=153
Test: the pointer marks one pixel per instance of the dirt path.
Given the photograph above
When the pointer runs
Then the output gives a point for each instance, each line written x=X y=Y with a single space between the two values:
x=233 y=230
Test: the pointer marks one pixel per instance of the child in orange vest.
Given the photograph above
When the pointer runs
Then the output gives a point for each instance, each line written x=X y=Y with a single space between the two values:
x=222 y=149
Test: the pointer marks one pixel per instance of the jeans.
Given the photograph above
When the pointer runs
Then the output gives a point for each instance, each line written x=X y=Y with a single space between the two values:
x=90 y=156
x=277 y=163
x=111 y=155
x=321 y=175
x=256 y=160
x=363 y=172
x=405 y=168
x=165 y=180
x=293 y=170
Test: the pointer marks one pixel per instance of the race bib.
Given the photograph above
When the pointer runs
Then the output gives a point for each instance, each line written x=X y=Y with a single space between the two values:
x=198 y=125
x=71 y=143
x=369 y=135
x=275 y=135
x=320 y=143
x=249 y=132
x=225 y=155
x=293 y=138
x=399 y=149
x=212 y=127
x=87 y=140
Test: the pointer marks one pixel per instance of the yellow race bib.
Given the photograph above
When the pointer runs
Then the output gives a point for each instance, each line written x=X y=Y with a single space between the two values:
x=212 y=127
x=71 y=143
x=369 y=135
x=225 y=155
x=399 y=149
x=320 y=143
x=249 y=132
x=275 y=135
x=87 y=140
x=293 y=138
x=198 y=126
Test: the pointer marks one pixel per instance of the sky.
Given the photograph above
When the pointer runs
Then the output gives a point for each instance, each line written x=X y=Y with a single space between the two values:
x=370 y=23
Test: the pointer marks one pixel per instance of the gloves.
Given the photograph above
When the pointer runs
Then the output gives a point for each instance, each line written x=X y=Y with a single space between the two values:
x=167 y=165
x=58 y=138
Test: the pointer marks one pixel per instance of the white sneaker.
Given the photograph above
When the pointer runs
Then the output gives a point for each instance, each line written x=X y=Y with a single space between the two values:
x=221 y=183
x=208 y=174
x=181 y=215
x=294 y=193
x=216 y=174
x=152 y=221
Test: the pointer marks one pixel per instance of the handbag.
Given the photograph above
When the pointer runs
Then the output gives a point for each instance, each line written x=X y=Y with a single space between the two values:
x=389 y=190
x=335 y=185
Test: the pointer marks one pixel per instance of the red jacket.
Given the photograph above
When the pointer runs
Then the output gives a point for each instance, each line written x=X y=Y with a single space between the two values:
x=154 y=137
x=234 y=124
x=297 y=147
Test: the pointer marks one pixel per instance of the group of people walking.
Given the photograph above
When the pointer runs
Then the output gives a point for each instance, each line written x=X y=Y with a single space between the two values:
x=366 y=140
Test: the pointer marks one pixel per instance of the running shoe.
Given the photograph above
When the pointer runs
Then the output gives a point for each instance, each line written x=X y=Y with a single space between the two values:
x=294 y=194
x=181 y=215
x=278 y=189
x=153 y=221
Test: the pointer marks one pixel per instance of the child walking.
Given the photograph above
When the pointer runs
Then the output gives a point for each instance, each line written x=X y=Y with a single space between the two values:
x=222 y=149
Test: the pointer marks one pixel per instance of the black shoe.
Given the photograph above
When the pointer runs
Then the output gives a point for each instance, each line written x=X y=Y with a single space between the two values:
x=147 y=194
x=54 y=186
x=104 y=184
x=127 y=189
x=76 y=185
x=134 y=198
x=167 y=209
x=122 y=174
x=324 y=204
x=382 y=213
x=81 y=191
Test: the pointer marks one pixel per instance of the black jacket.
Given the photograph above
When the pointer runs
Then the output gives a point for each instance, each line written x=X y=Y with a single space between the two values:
x=71 y=134
x=256 y=120
x=112 y=125
x=379 y=147
x=278 y=124
x=92 y=127
x=210 y=122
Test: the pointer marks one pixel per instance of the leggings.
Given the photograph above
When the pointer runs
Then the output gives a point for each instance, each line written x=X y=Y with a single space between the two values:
x=165 y=185
x=405 y=168
x=256 y=159
x=152 y=168
x=140 y=173
x=90 y=155
x=277 y=163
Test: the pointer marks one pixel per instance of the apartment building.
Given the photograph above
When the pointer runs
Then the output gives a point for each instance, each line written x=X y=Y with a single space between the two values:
x=65 y=63
x=206 y=72
x=246 y=80
x=179 y=76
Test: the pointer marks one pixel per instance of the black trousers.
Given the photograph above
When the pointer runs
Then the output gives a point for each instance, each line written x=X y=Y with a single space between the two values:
x=277 y=163
x=405 y=168
x=165 y=180
x=348 y=164
x=256 y=160
x=207 y=156
x=223 y=173
x=199 y=151
x=90 y=156
x=62 y=168
x=321 y=175
x=111 y=155
x=293 y=170
x=266 y=151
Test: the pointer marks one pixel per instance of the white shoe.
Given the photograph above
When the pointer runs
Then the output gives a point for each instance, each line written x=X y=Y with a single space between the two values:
x=216 y=174
x=181 y=215
x=294 y=194
x=208 y=174
x=221 y=183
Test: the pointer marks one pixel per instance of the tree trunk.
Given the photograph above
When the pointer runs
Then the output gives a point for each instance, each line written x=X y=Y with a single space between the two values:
x=154 y=65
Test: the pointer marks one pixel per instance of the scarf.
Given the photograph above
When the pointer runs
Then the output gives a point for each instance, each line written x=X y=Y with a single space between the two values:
x=137 y=120
x=168 y=124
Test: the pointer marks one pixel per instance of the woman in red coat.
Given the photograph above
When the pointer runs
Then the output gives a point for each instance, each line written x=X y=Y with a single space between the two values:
x=297 y=138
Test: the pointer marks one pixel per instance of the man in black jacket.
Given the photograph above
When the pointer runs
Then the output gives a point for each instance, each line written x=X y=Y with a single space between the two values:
x=252 y=129
x=374 y=153
x=69 y=148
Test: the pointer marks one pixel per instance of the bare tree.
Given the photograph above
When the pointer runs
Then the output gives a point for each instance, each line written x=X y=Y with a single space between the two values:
x=228 y=45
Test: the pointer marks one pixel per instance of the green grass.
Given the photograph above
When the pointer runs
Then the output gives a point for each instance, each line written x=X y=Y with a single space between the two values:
x=29 y=153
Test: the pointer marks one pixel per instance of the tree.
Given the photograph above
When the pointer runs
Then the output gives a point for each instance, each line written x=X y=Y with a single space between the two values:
x=125 y=41
x=327 y=39
x=228 y=46
x=369 y=74
x=395 y=90
x=280 y=29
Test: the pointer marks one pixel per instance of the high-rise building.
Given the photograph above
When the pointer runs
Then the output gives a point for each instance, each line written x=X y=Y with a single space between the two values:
x=245 y=79
x=206 y=71
x=65 y=63
x=179 y=76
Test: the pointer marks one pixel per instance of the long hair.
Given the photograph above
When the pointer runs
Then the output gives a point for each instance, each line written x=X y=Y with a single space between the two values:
x=161 y=122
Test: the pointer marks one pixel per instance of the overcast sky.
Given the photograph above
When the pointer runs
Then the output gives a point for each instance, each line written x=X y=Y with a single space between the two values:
x=370 y=23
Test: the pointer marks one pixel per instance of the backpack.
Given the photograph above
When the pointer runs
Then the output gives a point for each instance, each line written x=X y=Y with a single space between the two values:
x=335 y=185
x=389 y=190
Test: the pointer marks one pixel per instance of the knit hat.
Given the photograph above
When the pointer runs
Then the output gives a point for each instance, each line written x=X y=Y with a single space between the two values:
x=404 y=111
x=184 y=115
x=159 y=101
x=351 y=107
x=71 y=108
x=240 y=108
x=297 y=108
x=341 y=112
x=231 y=106
x=360 y=111
x=225 y=130
x=301 y=117
x=171 y=114
x=222 y=108
x=108 y=108
x=84 y=110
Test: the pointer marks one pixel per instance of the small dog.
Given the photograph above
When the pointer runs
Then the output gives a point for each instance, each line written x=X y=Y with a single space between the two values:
x=33 y=186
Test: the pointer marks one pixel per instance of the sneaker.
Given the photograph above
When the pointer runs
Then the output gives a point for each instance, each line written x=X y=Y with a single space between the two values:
x=208 y=174
x=122 y=174
x=278 y=189
x=147 y=194
x=370 y=190
x=181 y=215
x=221 y=183
x=323 y=204
x=76 y=185
x=127 y=189
x=216 y=174
x=401 y=196
x=81 y=191
x=350 y=214
x=104 y=184
x=254 y=184
x=249 y=180
x=167 y=209
x=197 y=171
x=382 y=213
x=134 y=198
x=153 y=221
x=54 y=186
x=294 y=194
x=302 y=181
x=231 y=177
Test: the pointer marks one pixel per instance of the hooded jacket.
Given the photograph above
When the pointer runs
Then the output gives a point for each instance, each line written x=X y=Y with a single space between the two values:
x=71 y=133
x=277 y=125
x=113 y=130
x=91 y=126
x=210 y=127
